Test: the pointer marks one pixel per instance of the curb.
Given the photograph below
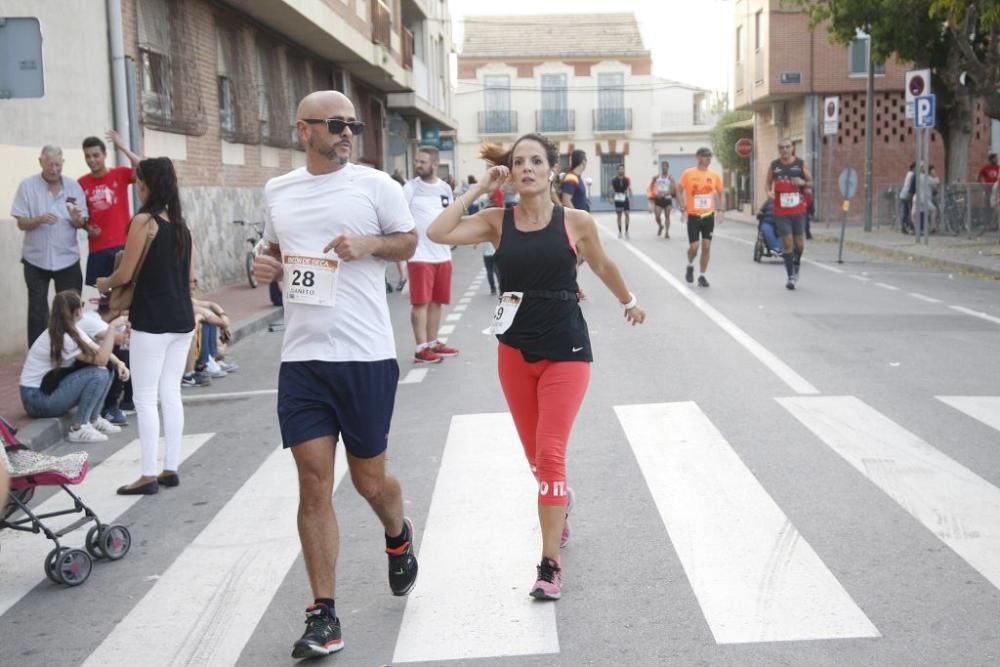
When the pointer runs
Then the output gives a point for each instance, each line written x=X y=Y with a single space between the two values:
x=41 y=434
x=952 y=265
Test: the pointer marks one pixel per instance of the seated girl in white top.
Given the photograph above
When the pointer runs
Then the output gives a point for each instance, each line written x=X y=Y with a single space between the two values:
x=80 y=377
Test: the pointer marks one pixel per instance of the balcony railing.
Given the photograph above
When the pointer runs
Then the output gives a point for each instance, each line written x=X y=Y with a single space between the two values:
x=381 y=23
x=758 y=66
x=555 y=120
x=497 y=122
x=407 y=49
x=739 y=76
x=612 y=120
x=681 y=119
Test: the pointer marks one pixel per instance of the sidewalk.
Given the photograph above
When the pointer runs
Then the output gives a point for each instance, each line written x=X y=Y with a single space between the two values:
x=978 y=256
x=249 y=310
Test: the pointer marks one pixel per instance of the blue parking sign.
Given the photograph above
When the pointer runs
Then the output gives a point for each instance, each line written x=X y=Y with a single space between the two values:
x=924 y=111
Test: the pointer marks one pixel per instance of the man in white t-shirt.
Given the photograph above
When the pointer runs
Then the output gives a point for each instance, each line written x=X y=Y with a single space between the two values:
x=331 y=227
x=430 y=268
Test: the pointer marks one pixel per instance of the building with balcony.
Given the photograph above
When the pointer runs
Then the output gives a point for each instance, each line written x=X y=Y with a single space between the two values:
x=783 y=71
x=214 y=85
x=590 y=87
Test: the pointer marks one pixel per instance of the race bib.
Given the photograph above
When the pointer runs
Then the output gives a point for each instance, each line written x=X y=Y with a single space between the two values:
x=506 y=310
x=310 y=279
x=703 y=202
x=619 y=196
x=789 y=199
x=662 y=187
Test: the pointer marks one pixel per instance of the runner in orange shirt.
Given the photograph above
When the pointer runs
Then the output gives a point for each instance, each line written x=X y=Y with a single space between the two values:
x=697 y=192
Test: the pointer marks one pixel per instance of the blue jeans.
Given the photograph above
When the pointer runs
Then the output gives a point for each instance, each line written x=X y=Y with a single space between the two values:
x=86 y=389
x=771 y=237
x=209 y=342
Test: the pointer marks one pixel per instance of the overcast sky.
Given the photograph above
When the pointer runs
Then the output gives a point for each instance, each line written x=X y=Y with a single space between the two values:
x=691 y=40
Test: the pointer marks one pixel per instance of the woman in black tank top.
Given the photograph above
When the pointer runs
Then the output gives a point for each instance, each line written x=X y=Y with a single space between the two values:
x=162 y=318
x=544 y=348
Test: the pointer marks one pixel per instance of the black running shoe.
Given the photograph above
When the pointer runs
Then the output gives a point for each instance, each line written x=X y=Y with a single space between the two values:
x=790 y=284
x=689 y=274
x=403 y=564
x=322 y=636
x=702 y=281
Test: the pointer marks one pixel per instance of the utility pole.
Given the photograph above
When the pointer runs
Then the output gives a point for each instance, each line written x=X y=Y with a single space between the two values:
x=869 y=133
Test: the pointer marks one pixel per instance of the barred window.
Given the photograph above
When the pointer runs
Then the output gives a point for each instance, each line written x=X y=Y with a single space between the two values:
x=171 y=98
x=234 y=81
x=272 y=110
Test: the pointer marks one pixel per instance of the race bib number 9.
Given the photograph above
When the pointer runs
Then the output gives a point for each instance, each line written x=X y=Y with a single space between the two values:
x=503 y=314
x=703 y=202
x=789 y=199
x=310 y=279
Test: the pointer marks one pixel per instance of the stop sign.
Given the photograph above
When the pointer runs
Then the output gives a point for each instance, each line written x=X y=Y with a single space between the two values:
x=744 y=147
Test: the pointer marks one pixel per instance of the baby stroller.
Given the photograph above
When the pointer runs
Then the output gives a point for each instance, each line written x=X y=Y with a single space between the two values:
x=29 y=470
x=768 y=243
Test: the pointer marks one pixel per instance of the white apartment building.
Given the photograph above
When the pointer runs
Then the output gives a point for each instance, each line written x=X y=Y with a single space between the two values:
x=590 y=88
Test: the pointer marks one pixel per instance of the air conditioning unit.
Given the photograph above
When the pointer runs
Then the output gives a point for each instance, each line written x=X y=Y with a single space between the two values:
x=779 y=115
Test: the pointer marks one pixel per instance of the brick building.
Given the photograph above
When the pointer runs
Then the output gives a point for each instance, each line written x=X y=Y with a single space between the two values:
x=218 y=83
x=590 y=87
x=784 y=71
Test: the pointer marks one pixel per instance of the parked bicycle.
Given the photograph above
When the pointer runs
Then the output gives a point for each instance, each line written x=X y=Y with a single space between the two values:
x=255 y=237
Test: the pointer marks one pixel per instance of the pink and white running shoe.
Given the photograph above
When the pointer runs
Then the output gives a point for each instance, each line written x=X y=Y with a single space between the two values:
x=549 y=579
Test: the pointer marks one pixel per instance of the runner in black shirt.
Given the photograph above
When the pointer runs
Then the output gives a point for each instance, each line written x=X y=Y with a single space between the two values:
x=544 y=352
x=621 y=193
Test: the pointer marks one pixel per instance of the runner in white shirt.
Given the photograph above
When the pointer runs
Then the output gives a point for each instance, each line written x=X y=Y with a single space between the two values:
x=430 y=267
x=331 y=227
x=663 y=189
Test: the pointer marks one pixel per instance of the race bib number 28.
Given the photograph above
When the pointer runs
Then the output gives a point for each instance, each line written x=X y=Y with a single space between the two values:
x=310 y=279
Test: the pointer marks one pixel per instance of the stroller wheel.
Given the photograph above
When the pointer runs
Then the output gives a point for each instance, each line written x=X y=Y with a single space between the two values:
x=50 y=564
x=115 y=541
x=73 y=567
x=758 y=250
x=93 y=543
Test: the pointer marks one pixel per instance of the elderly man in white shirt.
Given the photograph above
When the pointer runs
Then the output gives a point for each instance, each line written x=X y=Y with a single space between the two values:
x=49 y=209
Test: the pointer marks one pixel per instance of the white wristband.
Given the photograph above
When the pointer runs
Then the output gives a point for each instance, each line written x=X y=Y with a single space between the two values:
x=631 y=303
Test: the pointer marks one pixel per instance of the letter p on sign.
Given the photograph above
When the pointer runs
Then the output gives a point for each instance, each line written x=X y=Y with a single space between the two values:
x=924 y=111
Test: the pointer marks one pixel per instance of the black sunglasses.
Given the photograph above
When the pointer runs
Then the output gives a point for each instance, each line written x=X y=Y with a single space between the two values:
x=336 y=125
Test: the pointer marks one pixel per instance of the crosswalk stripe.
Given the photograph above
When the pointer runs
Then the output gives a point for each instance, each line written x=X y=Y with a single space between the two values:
x=755 y=576
x=463 y=607
x=415 y=375
x=453 y=317
x=24 y=553
x=959 y=507
x=204 y=608
x=446 y=329
x=983 y=408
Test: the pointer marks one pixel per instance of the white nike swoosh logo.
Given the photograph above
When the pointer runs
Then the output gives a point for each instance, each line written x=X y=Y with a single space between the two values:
x=577 y=349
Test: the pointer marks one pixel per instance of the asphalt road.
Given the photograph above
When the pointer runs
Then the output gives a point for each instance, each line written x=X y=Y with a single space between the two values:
x=763 y=477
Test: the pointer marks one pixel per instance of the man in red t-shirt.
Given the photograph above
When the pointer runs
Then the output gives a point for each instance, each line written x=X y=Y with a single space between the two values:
x=108 y=202
x=990 y=172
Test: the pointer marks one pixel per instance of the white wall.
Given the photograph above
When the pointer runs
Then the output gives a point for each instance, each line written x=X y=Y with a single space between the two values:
x=662 y=118
x=77 y=103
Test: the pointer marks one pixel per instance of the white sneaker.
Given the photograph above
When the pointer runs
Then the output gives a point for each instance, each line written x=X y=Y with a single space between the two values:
x=85 y=433
x=105 y=427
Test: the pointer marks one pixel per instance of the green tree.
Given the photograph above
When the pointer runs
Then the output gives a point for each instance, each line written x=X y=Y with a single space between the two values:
x=729 y=129
x=959 y=40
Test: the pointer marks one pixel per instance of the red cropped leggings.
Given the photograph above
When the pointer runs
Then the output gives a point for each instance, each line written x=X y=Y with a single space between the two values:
x=544 y=398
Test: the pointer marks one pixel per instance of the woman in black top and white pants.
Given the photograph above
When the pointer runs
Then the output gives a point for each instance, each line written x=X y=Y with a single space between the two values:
x=162 y=319
x=544 y=352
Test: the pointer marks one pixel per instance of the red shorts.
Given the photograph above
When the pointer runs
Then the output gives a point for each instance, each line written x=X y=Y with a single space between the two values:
x=429 y=282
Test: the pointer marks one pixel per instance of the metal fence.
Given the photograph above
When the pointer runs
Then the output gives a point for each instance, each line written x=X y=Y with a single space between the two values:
x=959 y=209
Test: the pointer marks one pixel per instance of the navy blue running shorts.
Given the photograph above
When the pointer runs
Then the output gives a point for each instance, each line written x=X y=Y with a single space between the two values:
x=790 y=225
x=350 y=400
